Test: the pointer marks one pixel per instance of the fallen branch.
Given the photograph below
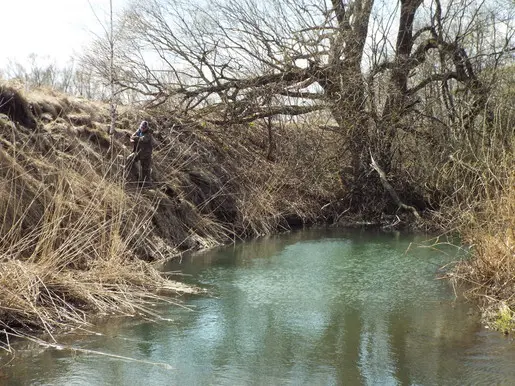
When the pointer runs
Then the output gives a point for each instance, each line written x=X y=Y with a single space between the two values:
x=73 y=349
x=391 y=190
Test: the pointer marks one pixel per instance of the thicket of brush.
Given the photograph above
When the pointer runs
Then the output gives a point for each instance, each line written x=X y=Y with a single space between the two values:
x=481 y=208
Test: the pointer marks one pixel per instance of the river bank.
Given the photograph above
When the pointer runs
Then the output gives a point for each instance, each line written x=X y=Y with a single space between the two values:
x=76 y=240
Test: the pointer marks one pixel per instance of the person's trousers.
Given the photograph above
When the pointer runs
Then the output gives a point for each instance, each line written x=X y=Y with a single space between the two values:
x=146 y=168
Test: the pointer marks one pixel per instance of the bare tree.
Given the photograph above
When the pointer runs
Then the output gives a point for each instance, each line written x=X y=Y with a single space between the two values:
x=100 y=60
x=39 y=72
x=378 y=68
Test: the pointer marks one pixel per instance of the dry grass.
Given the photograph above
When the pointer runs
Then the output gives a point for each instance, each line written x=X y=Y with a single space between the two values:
x=490 y=229
x=70 y=234
x=225 y=174
x=66 y=247
x=14 y=105
x=481 y=207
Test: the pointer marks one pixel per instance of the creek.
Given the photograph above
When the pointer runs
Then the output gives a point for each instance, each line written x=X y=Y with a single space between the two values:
x=313 y=307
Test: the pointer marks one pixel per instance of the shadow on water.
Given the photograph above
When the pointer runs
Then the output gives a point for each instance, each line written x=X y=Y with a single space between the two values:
x=317 y=307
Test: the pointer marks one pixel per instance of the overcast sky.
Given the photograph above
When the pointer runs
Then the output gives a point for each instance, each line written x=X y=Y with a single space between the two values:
x=52 y=29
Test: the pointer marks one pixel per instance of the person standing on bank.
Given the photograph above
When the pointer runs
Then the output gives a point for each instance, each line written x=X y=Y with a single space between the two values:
x=142 y=152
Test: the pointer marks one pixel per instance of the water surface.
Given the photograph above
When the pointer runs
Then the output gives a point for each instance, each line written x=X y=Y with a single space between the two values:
x=318 y=307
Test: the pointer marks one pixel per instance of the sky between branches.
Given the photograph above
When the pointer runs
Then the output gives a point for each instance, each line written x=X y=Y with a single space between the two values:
x=52 y=29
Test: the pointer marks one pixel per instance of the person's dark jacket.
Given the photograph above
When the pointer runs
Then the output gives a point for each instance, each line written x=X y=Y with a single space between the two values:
x=143 y=144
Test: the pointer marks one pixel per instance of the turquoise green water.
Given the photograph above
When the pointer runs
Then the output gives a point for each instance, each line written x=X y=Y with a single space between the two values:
x=319 y=307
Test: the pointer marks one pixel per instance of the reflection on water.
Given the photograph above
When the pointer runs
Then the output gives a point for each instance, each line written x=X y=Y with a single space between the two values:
x=320 y=307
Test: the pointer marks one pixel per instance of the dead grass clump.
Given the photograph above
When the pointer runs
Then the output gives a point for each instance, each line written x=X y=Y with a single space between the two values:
x=80 y=119
x=47 y=102
x=15 y=106
x=77 y=255
x=94 y=135
x=226 y=173
x=482 y=210
x=491 y=232
x=36 y=295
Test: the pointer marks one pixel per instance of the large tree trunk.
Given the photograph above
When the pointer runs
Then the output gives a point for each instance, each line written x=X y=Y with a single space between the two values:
x=345 y=86
x=346 y=91
x=397 y=103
